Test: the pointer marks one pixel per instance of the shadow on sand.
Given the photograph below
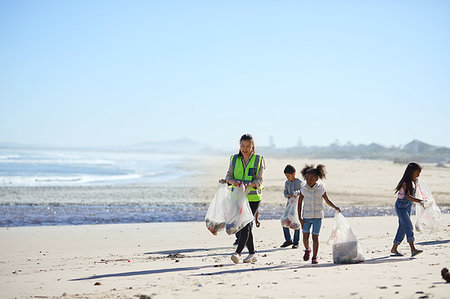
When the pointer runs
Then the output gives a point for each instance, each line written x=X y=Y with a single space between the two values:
x=283 y=267
x=434 y=242
x=229 y=249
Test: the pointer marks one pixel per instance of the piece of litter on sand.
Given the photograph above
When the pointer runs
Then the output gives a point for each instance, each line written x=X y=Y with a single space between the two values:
x=98 y=283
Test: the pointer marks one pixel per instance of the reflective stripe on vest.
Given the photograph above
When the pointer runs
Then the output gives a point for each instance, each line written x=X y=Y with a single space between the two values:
x=242 y=174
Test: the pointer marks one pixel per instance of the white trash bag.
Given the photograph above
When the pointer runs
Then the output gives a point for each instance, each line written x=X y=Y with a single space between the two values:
x=428 y=217
x=346 y=249
x=215 y=217
x=290 y=216
x=238 y=213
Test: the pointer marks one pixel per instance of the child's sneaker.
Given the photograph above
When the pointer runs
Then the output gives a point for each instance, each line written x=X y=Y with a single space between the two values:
x=314 y=260
x=306 y=255
x=251 y=258
x=236 y=257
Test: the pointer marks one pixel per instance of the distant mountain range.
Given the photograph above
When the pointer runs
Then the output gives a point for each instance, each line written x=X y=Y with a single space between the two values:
x=414 y=151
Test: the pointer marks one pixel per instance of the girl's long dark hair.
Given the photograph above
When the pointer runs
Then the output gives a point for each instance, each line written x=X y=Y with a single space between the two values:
x=319 y=171
x=407 y=178
x=249 y=138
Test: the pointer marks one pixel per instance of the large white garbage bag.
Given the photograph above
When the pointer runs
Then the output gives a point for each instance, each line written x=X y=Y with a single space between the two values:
x=346 y=249
x=428 y=216
x=238 y=213
x=215 y=217
x=290 y=216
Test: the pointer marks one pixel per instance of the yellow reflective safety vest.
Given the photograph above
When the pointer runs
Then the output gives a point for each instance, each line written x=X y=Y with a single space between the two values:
x=247 y=174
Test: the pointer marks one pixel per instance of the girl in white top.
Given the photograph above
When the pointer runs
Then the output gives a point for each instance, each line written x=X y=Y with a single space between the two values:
x=310 y=207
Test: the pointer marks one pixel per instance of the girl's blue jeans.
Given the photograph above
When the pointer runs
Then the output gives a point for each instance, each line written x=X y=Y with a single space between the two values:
x=405 y=227
x=287 y=235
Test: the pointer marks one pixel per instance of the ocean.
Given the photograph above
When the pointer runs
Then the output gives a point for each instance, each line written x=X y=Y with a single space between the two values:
x=62 y=187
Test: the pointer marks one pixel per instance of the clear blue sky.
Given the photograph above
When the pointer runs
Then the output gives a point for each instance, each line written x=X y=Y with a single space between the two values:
x=101 y=73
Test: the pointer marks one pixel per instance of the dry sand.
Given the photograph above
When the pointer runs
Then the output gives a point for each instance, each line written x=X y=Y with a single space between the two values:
x=348 y=182
x=166 y=260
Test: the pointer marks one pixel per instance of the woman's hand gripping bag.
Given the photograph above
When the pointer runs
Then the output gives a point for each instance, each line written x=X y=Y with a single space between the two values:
x=345 y=247
x=428 y=216
x=238 y=213
x=290 y=216
x=215 y=217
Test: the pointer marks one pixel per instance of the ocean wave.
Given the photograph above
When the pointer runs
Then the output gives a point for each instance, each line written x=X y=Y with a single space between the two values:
x=69 y=180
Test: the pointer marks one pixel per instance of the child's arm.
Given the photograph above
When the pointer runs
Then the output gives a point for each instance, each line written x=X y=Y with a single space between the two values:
x=257 y=223
x=299 y=209
x=410 y=197
x=328 y=201
x=286 y=193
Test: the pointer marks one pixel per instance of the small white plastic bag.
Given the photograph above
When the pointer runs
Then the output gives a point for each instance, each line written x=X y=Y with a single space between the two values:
x=238 y=213
x=215 y=217
x=290 y=216
x=345 y=246
x=428 y=217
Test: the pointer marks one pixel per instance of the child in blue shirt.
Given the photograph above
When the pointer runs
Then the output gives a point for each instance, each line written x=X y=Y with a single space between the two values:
x=292 y=188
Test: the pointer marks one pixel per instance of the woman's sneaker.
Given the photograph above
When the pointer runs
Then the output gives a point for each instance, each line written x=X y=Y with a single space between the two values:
x=314 y=260
x=251 y=258
x=286 y=244
x=235 y=258
x=306 y=255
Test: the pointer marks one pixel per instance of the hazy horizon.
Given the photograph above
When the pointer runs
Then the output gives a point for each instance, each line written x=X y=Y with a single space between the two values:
x=111 y=73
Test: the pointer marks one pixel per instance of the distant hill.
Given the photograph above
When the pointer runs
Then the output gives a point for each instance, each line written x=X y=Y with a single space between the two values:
x=413 y=151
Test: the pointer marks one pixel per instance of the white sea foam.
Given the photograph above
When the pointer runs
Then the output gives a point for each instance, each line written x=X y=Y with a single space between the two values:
x=66 y=168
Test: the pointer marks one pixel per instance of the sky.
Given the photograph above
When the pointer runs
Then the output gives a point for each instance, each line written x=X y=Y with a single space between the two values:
x=113 y=73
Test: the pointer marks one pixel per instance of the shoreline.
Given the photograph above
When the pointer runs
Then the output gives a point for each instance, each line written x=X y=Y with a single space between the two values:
x=55 y=215
x=167 y=260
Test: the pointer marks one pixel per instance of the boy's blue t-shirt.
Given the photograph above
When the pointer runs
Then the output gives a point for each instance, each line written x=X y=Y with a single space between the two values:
x=291 y=186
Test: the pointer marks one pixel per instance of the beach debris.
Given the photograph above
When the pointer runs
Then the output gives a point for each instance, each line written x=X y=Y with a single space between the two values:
x=113 y=260
x=200 y=285
x=221 y=265
x=445 y=274
x=98 y=283
x=144 y=297
x=176 y=255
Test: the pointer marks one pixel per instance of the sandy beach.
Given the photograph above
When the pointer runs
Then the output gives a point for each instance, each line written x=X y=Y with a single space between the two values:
x=184 y=260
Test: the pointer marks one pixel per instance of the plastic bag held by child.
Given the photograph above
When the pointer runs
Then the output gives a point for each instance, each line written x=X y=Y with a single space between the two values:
x=238 y=213
x=215 y=217
x=428 y=216
x=346 y=249
x=290 y=216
